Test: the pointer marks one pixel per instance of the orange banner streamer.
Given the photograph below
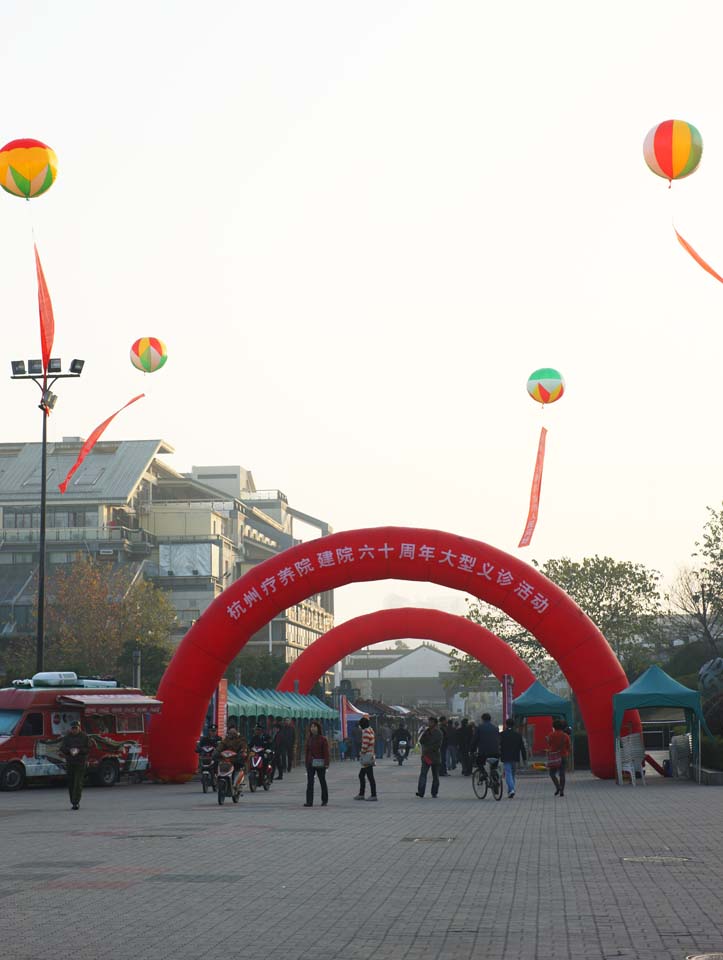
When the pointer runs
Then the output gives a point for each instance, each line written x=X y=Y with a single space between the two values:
x=45 y=307
x=697 y=257
x=91 y=442
x=535 y=494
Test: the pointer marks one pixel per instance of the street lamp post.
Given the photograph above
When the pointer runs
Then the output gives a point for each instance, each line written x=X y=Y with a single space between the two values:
x=48 y=400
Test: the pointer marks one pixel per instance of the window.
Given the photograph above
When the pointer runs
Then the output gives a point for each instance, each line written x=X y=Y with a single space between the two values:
x=100 y=724
x=129 y=723
x=32 y=726
x=8 y=721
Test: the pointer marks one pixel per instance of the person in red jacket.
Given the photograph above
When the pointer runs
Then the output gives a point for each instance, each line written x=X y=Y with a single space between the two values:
x=558 y=746
x=317 y=762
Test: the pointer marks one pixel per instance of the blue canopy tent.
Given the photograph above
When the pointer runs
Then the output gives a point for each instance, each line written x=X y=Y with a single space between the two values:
x=655 y=688
x=538 y=701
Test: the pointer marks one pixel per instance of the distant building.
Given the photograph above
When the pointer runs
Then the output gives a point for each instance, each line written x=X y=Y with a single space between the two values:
x=191 y=534
x=413 y=677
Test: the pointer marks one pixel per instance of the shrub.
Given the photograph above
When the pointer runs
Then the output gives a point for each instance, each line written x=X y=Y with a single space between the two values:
x=712 y=753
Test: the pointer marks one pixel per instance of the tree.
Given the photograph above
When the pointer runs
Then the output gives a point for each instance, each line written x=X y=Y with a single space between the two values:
x=694 y=595
x=620 y=597
x=257 y=670
x=96 y=615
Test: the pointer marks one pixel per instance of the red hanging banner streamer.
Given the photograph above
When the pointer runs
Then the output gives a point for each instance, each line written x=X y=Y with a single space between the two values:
x=91 y=442
x=535 y=494
x=697 y=257
x=47 y=321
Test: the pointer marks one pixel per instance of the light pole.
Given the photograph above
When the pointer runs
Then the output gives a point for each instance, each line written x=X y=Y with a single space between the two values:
x=48 y=400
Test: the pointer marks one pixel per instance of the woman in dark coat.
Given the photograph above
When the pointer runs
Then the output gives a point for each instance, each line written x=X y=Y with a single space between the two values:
x=317 y=762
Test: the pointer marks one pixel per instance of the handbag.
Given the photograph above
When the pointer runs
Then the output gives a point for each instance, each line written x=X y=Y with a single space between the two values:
x=554 y=760
x=318 y=763
x=427 y=760
x=366 y=759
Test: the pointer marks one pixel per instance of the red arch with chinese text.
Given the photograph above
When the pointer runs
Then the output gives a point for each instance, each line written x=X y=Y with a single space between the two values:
x=380 y=553
x=414 y=623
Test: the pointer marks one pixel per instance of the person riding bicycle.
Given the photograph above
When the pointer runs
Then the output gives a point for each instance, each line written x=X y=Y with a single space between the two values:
x=401 y=733
x=486 y=741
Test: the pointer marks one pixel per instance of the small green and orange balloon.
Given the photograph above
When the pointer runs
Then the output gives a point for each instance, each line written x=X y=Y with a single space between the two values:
x=148 y=354
x=27 y=168
x=546 y=385
x=673 y=149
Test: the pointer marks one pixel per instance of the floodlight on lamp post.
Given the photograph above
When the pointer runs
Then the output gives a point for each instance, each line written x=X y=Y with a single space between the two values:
x=48 y=400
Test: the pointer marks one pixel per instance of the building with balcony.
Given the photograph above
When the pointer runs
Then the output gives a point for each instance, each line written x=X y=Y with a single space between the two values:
x=191 y=534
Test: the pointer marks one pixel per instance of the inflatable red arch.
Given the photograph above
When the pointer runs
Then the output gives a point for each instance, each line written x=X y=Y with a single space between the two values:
x=380 y=553
x=414 y=623
x=400 y=623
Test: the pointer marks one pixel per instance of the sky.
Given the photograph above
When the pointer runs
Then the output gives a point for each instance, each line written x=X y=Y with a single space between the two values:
x=359 y=227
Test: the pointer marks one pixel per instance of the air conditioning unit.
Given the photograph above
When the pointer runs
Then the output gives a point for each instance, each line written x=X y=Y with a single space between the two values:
x=170 y=573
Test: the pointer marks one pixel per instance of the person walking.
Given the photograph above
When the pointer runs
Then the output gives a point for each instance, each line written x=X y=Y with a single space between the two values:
x=366 y=758
x=452 y=744
x=278 y=746
x=512 y=749
x=75 y=747
x=288 y=741
x=386 y=736
x=316 y=754
x=558 y=750
x=443 y=749
x=356 y=738
x=464 y=743
x=431 y=744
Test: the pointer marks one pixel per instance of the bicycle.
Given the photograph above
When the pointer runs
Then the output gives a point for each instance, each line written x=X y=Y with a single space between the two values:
x=482 y=781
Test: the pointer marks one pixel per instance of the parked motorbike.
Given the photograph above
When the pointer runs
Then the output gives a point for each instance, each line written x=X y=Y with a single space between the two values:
x=208 y=768
x=402 y=751
x=230 y=783
x=261 y=768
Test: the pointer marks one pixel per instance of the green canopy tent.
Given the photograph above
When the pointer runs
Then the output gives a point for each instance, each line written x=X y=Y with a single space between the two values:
x=655 y=688
x=538 y=701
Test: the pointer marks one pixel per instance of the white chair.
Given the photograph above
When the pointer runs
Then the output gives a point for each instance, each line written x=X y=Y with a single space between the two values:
x=630 y=758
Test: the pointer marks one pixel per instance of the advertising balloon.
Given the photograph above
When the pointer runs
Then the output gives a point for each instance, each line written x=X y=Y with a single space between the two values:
x=546 y=385
x=148 y=354
x=673 y=149
x=27 y=168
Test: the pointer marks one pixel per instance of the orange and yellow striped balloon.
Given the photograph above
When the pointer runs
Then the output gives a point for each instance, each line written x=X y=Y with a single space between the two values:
x=673 y=149
x=27 y=168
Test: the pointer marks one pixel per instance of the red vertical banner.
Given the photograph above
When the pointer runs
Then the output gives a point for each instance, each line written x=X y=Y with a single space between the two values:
x=507 y=686
x=45 y=307
x=535 y=494
x=221 y=706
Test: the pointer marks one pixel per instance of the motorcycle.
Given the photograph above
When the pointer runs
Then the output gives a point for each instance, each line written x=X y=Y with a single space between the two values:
x=208 y=765
x=230 y=783
x=261 y=771
x=402 y=751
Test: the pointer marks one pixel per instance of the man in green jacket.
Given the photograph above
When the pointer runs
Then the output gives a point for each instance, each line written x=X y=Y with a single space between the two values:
x=431 y=744
x=75 y=747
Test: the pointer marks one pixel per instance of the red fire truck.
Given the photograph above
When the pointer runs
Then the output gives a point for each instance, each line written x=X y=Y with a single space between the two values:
x=35 y=714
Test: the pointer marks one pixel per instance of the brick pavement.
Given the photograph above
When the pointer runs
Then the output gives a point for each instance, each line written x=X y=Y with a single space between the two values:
x=162 y=872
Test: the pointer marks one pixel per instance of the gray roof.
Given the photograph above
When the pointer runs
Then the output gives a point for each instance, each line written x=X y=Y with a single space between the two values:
x=109 y=474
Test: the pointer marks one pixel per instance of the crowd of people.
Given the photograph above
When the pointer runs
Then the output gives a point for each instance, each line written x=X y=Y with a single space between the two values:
x=444 y=746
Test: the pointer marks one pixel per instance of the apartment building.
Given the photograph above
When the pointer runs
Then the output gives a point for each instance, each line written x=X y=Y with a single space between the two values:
x=191 y=534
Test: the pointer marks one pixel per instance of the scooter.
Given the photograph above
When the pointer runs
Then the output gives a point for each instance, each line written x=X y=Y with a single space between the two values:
x=402 y=751
x=261 y=772
x=229 y=784
x=208 y=764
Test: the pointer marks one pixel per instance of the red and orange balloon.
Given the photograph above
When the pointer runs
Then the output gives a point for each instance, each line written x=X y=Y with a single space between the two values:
x=673 y=149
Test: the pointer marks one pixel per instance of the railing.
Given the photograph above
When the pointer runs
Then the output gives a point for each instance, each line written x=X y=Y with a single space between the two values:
x=76 y=534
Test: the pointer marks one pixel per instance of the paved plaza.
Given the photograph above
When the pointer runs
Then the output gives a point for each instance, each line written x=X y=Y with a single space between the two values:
x=151 y=871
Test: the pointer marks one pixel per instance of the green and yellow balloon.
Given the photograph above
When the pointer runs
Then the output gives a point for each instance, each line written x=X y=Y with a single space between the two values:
x=546 y=385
